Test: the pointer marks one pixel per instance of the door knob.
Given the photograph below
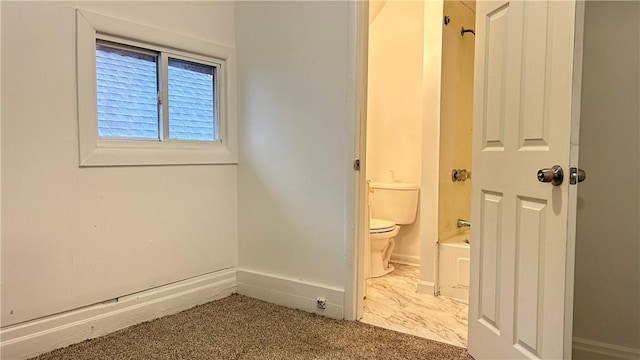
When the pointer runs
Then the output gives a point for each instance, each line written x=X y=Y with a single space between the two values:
x=555 y=175
x=576 y=175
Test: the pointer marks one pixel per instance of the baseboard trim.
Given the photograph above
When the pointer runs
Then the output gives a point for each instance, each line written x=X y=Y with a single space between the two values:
x=291 y=293
x=591 y=349
x=38 y=336
x=426 y=287
x=405 y=259
x=461 y=293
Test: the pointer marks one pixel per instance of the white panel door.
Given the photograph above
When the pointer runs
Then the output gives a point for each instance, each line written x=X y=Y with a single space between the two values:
x=525 y=107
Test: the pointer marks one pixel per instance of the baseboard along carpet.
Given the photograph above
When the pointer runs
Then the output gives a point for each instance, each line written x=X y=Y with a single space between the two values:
x=239 y=327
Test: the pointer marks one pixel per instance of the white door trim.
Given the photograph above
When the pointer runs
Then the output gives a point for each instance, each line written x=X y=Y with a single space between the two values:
x=576 y=93
x=355 y=286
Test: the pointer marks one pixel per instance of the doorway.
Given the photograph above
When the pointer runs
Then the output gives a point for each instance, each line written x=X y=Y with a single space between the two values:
x=418 y=132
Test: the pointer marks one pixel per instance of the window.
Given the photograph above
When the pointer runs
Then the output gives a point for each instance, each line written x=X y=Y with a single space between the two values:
x=192 y=101
x=147 y=97
x=130 y=96
x=127 y=89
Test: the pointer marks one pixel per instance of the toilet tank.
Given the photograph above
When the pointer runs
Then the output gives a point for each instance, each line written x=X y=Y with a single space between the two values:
x=395 y=201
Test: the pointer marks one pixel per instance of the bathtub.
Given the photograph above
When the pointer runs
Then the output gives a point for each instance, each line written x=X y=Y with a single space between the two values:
x=453 y=266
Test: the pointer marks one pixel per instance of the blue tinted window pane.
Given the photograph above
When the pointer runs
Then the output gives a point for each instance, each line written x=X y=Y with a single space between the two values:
x=127 y=94
x=192 y=101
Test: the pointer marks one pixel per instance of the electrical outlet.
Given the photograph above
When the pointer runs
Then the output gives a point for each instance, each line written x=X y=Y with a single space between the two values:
x=322 y=303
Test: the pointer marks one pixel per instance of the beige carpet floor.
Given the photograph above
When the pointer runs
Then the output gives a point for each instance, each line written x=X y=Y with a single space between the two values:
x=239 y=327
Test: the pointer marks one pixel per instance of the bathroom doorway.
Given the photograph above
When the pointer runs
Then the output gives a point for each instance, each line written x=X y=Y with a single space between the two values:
x=418 y=133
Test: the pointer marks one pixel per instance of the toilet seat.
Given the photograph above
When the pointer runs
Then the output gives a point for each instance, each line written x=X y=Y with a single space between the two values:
x=379 y=226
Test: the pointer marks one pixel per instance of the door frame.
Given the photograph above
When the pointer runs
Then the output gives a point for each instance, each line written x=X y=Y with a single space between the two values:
x=355 y=285
x=576 y=97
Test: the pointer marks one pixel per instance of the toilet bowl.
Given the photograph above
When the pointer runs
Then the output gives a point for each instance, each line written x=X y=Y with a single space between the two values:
x=391 y=204
x=381 y=237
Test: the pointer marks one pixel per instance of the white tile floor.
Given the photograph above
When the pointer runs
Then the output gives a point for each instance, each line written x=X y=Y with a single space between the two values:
x=393 y=303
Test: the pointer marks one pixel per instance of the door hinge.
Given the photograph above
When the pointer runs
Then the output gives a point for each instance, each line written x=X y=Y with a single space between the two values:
x=356 y=164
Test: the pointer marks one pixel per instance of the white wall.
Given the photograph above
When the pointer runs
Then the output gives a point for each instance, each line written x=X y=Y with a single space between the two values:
x=607 y=283
x=73 y=237
x=296 y=113
x=394 y=105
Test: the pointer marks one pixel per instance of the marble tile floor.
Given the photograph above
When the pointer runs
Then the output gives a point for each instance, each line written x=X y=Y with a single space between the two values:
x=393 y=303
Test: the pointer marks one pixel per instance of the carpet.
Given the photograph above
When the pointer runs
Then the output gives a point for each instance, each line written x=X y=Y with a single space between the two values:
x=239 y=327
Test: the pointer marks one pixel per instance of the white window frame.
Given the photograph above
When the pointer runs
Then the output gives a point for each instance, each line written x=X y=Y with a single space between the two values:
x=96 y=151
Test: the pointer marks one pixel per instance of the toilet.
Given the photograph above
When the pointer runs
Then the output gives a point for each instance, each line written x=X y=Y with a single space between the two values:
x=391 y=204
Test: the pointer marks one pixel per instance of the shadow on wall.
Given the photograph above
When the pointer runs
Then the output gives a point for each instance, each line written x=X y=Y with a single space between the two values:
x=607 y=277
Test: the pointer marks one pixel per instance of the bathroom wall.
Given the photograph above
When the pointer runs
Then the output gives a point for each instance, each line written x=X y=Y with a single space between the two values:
x=404 y=128
x=374 y=8
x=456 y=117
x=607 y=269
x=394 y=113
x=74 y=236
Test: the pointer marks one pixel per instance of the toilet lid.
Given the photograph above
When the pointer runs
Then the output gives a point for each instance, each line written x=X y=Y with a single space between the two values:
x=381 y=225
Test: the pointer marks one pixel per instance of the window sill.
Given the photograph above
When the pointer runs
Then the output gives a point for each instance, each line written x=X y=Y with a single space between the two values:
x=121 y=153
